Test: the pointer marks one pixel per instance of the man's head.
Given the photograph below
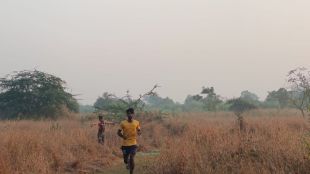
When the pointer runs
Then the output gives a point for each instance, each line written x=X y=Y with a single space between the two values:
x=130 y=113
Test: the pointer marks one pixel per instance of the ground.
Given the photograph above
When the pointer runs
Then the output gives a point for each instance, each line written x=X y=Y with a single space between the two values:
x=142 y=160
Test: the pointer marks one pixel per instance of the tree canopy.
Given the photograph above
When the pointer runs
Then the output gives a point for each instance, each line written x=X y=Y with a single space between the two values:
x=239 y=106
x=29 y=94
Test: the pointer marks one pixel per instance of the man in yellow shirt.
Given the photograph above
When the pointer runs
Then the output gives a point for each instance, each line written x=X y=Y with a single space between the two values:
x=129 y=130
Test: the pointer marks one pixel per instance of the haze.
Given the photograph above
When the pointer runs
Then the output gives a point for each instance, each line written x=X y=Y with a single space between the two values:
x=114 y=46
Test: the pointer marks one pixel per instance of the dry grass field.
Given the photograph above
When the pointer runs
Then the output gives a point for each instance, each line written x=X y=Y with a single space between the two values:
x=190 y=143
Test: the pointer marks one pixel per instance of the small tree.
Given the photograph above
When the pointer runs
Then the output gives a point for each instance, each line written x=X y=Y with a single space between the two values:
x=117 y=105
x=299 y=80
x=239 y=106
x=28 y=94
x=212 y=100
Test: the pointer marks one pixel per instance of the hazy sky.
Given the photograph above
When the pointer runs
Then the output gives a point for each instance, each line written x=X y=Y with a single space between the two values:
x=115 y=45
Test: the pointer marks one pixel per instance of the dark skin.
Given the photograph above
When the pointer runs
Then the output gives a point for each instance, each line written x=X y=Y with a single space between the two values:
x=129 y=157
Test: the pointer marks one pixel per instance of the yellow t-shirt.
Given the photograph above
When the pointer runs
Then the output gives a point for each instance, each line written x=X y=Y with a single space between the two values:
x=130 y=132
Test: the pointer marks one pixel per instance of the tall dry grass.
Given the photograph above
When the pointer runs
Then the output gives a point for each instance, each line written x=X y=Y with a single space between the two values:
x=50 y=147
x=190 y=143
x=274 y=142
x=65 y=146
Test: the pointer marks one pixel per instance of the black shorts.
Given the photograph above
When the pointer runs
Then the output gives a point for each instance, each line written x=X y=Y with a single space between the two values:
x=129 y=149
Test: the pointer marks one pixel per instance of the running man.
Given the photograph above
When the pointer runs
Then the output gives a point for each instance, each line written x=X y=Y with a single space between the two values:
x=129 y=130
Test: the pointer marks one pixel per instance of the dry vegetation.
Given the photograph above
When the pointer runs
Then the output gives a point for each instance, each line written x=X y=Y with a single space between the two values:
x=64 y=146
x=274 y=142
x=214 y=145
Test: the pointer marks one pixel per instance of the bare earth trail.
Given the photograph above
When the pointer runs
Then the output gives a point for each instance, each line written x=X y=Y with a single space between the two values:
x=141 y=160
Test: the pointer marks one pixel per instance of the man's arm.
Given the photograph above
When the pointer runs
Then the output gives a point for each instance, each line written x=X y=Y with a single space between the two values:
x=120 y=133
x=138 y=129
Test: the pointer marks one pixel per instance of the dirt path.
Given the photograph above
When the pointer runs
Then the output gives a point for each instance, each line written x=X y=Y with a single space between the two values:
x=142 y=160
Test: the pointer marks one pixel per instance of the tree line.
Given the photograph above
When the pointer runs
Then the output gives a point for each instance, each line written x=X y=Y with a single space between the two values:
x=35 y=94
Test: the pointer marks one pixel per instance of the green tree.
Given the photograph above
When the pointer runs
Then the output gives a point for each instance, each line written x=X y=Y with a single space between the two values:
x=110 y=103
x=193 y=104
x=250 y=97
x=212 y=100
x=117 y=105
x=29 y=94
x=279 y=98
x=86 y=108
x=240 y=106
x=156 y=102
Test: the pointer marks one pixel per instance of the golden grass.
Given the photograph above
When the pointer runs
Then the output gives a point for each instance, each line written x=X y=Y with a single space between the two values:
x=215 y=145
x=64 y=146
x=191 y=143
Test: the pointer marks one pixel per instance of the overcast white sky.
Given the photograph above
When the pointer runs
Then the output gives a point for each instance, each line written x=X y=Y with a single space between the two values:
x=115 y=45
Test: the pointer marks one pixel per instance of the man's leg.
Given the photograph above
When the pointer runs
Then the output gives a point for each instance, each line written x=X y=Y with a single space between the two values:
x=133 y=151
x=100 y=137
x=125 y=156
x=132 y=162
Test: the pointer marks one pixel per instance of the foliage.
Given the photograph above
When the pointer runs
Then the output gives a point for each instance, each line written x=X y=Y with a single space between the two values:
x=193 y=104
x=28 y=94
x=86 y=108
x=239 y=106
x=279 y=98
x=117 y=105
x=250 y=97
x=212 y=100
x=156 y=102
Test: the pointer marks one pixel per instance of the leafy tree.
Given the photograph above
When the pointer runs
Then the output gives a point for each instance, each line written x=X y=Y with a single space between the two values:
x=156 y=102
x=250 y=97
x=117 y=105
x=86 y=108
x=193 y=104
x=212 y=100
x=28 y=94
x=110 y=103
x=239 y=106
x=299 y=80
x=280 y=98
x=197 y=97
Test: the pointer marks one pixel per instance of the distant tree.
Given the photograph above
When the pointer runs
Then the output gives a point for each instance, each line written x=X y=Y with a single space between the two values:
x=109 y=103
x=212 y=100
x=193 y=104
x=197 y=97
x=86 y=108
x=155 y=102
x=29 y=94
x=250 y=97
x=117 y=105
x=299 y=80
x=239 y=106
x=280 y=97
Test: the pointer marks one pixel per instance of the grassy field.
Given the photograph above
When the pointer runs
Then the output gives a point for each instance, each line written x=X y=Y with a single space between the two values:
x=190 y=143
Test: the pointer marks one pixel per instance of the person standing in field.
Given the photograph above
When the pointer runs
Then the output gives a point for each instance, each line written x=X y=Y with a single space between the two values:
x=129 y=130
x=101 y=128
